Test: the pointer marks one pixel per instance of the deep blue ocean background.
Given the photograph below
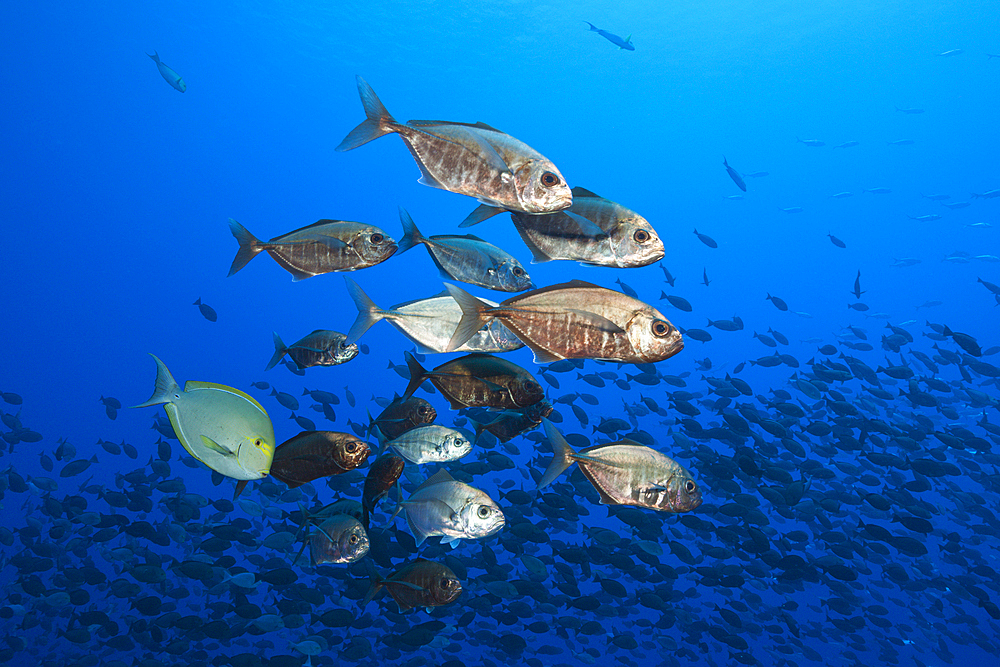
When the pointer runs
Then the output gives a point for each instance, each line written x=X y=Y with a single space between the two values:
x=116 y=190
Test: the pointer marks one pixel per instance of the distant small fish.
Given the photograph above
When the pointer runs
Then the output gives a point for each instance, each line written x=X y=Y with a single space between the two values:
x=841 y=195
x=989 y=194
x=667 y=275
x=848 y=144
x=735 y=175
x=877 y=190
x=837 y=242
x=900 y=142
x=857 y=291
x=936 y=197
x=951 y=52
x=815 y=143
x=677 y=302
x=778 y=303
x=207 y=311
x=704 y=277
x=925 y=218
x=707 y=240
x=614 y=39
x=758 y=174
x=793 y=209
x=911 y=111
x=169 y=75
x=955 y=205
x=905 y=261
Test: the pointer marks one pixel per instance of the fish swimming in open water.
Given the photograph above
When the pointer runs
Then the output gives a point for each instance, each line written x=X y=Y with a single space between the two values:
x=169 y=75
x=625 y=44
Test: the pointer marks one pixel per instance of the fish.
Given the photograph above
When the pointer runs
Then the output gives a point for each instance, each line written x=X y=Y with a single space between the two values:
x=778 y=302
x=322 y=247
x=401 y=415
x=338 y=539
x=383 y=474
x=848 y=144
x=206 y=311
x=815 y=143
x=474 y=160
x=169 y=75
x=900 y=142
x=478 y=380
x=877 y=190
x=704 y=277
x=431 y=443
x=678 y=302
x=735 y=175
x=575 y=320
x=314 y=454
x=707 y=240
x=468 y=258
x=758 y=174
x=510 y=423
x=320 y=348
x=951 y=52
x=453 y=510
x=837 y=242
x=594 y=231
x=222 y=427
x=418 y=583
x=626 y=473
x=429 y=323
x=857 y=291
x=912 y=110
x=625 y=44
x=667 y=276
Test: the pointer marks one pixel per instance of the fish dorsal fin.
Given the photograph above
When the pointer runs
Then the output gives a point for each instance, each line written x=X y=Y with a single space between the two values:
x=192 y=385
x=432 y=123
x=439 y=477
x=466 y=237
x=575 y=284
x=318 y=223
x=584 y=192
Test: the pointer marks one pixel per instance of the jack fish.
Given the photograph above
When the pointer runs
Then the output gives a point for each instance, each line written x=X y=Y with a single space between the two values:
x=222 y=427
x=478 y=380
x=626 y=473
x=431 y=443
x=474 y=160
x=576 y=320
x=401 y=415
x=320 y=348
x=429 y=323
x=322 y=247
x=453 y=510
x=314 y=454
x=383 y=474
x=468 y=258
x=420 y=583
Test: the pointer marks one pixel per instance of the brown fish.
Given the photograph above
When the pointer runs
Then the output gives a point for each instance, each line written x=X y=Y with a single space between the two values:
x=320 y=348
x=511 y=423
x=626 y=473
x=478 y=380
x=402 y=415
x=314 y=454
x=419 y=583
x=382 y=476
x=322 y=247
x=575 y=320
x=475 y=160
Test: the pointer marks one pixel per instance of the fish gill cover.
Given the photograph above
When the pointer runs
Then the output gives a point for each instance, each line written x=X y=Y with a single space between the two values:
x=829 y=429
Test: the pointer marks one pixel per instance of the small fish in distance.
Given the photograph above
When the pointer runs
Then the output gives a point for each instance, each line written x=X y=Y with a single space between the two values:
x=614 y=39
x=206 y=311
x=735 y=175
x=169 y=75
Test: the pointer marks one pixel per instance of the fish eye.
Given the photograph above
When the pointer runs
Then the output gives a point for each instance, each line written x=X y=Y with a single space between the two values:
x=660 y=328
x=257 y=443
x=376 y=238
x=690 y=487
x=549 y=179
x=446 y=583
x=353 y=539
x=641 y=236
x=517 y=271
x=484 y=511
x=422 y=410
x=351 y=447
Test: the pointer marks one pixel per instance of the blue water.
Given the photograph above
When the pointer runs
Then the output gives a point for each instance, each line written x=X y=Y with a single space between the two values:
x=116 y=193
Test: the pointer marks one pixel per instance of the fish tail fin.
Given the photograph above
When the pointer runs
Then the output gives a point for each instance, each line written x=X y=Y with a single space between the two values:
x=563 y=455
x=155 y=57
x=240 y=485
x=376 y=585
x=592 y=26
x=368 y=312
x=417 y=374
x=165 y=386
x=411 y=235
x=378 y=122
x=473 y=317
x=249 y=246
x=482 y=212
x=279 y=351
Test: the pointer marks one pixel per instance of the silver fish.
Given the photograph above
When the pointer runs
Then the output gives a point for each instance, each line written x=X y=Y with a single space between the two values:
x=431 y=443
x=575 y=320
x=322 y=247
x=594 y=231
x=456 y=511
x=468 y=259
x=339 y=539
x=320 y=348
x=429 y=323
x=626 y=473
x=474 y=160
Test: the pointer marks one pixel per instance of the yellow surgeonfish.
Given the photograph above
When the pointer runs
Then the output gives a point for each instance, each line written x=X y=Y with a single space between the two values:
x=220 y=426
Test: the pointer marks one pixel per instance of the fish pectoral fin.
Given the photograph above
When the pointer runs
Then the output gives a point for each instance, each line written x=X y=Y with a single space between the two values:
x=490 y=155
x=492 y=386
x=452 y=540
x=588 y=227
x=407 y=584
x=216 y=447
x=598 y=321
